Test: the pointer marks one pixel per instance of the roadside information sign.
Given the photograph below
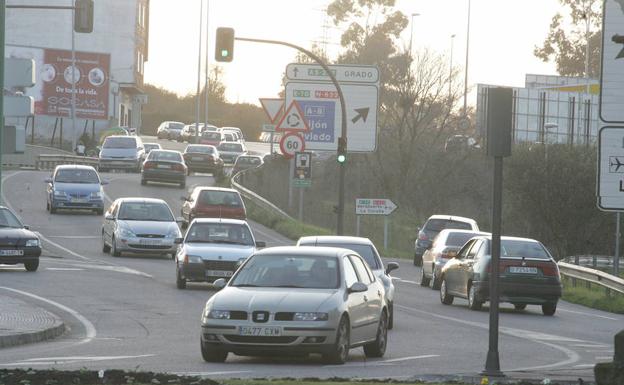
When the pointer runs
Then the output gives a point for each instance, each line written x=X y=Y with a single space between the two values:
x=611 y=168
x=292 y=143
x=612 y=74
x=374 y=206
x=303 y=165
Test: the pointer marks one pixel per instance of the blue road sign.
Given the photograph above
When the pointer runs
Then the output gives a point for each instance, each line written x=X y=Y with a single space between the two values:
x=321 y=117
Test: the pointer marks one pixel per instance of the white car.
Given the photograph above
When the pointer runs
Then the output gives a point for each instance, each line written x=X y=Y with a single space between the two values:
x=297 y=300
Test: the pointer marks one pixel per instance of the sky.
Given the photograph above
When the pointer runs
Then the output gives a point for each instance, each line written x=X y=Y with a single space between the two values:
x=503 y=35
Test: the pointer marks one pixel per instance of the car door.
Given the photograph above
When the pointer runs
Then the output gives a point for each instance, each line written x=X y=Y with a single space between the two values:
x=372 y=298
x=109 y=224
x=452 y=270
x=466 y=268
x=356 y=305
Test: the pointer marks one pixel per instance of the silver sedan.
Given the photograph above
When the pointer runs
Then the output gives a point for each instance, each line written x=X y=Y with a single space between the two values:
x=297 y=301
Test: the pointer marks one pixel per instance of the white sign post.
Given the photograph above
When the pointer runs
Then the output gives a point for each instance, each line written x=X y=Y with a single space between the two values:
x=383 y=207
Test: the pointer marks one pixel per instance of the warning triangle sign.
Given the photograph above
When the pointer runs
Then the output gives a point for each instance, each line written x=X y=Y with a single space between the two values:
x=293 y=119
x=272 y=107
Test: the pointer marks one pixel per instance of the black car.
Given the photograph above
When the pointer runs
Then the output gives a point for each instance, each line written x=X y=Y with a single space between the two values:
x=203 y=158
x=164 y=166
x=18 y=245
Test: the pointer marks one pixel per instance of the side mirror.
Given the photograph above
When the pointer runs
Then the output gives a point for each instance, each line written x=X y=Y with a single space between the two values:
x=220 y=283
x=358 y=287
x=260 y=244
x=109 y=217
x=178 y=241
x=391 y=267
x=48 y=180
x=104 y=182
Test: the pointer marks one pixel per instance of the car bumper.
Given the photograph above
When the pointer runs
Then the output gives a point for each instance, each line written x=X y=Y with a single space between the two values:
x=146 y=245
x=78 y=205
x=30 y=254
x=528 y=293
x=119 y=164
x=208 y=271
x=202 y=165
x=164 y=176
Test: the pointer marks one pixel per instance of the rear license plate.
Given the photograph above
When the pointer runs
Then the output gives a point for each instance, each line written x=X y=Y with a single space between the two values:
x=266 y=331
x=163 y=166
x=198 y=158
x=11 y=253
x=150 y=242
x=219 y=273
x=522 y=270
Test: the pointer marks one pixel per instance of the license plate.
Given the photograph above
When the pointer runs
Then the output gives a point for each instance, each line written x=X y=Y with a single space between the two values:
x=79 y=200
x=149 y=242
x=198 y=158
x=163 y=166
x=118 y=162
x=11 y=253
x=266 y=331
x=219 y=273
x=522 y=270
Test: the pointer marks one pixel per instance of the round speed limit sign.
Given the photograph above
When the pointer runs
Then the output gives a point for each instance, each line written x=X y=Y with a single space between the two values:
x=292 y=143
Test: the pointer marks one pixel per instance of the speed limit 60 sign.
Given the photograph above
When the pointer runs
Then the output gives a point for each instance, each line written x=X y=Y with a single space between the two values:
x=292 y=143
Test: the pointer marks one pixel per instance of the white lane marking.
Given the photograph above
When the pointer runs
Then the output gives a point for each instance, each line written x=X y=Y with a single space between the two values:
x=89 y=328
x=600 y=351
x=588 y=314
x=405 y=281
x=604 y=358
x=72 y=360
x=584 y=366
x=64 y=269
x=411 y=358
x=597 y=346
x=389 y=362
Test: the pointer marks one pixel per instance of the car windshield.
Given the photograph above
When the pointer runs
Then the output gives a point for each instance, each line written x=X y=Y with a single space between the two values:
x=166 y=156
x=145 y=211
x=366 y=251
x=77 y=176
x=119 y=143
x=247 y=160
x=232 y=147
x=8 y=219
x=458 y=239
x=219 y=198
x=211 y=135
x=228 y=233
x=175 y=126
x=201 y=149
x=289 y=271
x=523 y=249
x=438 y=225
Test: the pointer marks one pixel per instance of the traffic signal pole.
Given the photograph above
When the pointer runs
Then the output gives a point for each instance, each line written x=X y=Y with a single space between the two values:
x=2 y=29
x=343 y=128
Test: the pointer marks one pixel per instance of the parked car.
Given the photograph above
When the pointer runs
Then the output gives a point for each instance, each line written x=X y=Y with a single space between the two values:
x=18 y=245
x=213 y=248
x=72 y=187
x=140 y=225
x=164 y=166
x=445 y=246
x=367 y=250
x=433 y=226
x=203 y=158
x=169 y=130
x=297 y=300
x=122 y=152
x=229 y=151
x=245 y=162
x=528 y=274
x=151 y=146
x=213 y=202
x=213 y=138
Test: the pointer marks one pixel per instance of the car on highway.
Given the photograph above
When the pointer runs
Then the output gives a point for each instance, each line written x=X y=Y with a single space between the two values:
x=122 y=152
x=212 y=202
x=291 y=301
x=365 y=248
x=229 y=151
x=230 y=137
x=213 y=248
x=75 y=187
x=169 y=130
x=213 y=138
x=444 y=247
x=433 y=226
x=140 y=226
x=151 y=146
x=528 y=274
x=235 y=130
x=245 y=162
x=188 y=133
x=164 y=166
x=18 y=245
x=203 y=158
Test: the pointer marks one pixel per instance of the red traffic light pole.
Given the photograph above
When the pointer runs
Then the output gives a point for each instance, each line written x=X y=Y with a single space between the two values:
x=343 y=132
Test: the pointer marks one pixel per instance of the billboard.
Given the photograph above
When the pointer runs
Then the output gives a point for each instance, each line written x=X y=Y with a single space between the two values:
x=53 y=89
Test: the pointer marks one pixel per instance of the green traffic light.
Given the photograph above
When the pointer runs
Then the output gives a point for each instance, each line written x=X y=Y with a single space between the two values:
x=341 y=158
x=224 y=53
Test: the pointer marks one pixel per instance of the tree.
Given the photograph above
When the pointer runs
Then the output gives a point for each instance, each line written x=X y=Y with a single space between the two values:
x=566 y=41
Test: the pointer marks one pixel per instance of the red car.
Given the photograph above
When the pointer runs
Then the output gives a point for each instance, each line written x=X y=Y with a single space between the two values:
x=213 y=202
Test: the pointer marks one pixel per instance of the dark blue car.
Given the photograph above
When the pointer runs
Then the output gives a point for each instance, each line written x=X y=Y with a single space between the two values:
x=75 y=187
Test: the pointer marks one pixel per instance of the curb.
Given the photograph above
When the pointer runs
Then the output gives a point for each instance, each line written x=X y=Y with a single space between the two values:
x=32 y=337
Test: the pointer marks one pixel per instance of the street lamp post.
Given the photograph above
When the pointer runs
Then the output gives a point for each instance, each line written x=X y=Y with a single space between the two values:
x=199 y=57
x=451 y=70
x=587 y=22
x=467 y=55
x=412 y=32
x=206 y=64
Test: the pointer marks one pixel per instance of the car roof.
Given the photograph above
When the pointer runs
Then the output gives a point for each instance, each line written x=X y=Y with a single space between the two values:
x=163 y=150
x=446 y=231
x=508 y=238
x=306 y=251
x=335 y=239
x=122 y=136
x=74 y=167
x=141 y=200
x=221 y=220
x=208 y=188
x=453 y=218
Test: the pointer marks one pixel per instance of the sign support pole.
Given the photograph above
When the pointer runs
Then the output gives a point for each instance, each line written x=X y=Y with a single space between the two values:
x=357 y=225
x=271 y=139
x=290 y=185
x=301 y=204
x=616 y=258
x=2 y=30
x=386 y=222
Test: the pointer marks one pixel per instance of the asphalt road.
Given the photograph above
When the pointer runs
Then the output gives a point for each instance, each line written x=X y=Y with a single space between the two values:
x=127 y=313
x=258 y=148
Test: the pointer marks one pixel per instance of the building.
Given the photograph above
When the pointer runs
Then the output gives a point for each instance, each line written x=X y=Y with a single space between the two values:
x=550 y=109
x=109 y=64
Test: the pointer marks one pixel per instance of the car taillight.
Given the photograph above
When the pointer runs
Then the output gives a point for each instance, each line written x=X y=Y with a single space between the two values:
x=186 y=259
x=148 y=165
x=422 y=236
x=549 y=269
x=178 y=167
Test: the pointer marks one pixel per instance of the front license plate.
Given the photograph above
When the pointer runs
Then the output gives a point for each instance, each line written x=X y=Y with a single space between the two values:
x=149 y=242
x=79 y=200
x=522 y=270
x=11 y=253
x=219 y=273
x=118 y=162
x=197 y=158
x=266 y=331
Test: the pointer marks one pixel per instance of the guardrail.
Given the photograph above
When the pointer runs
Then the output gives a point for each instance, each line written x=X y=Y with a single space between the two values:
x=49 y=162
x=597 y=277
x=30 y=156
x=592 y=260
x=255 y=198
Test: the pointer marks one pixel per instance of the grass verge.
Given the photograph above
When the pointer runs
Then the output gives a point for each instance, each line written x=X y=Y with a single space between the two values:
x=594 y=297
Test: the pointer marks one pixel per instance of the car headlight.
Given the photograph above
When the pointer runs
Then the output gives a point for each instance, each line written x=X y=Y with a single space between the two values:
x=32 y=243
x=59 y=193
x=127 y=233
x=217 y=314
x=192 y=259
x=310 y=317
x=173 y=233
x=96 y=195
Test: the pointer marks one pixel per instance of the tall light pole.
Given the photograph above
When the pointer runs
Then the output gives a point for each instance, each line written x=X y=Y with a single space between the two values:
x=412 y=31
x=207 y=52
x=199 y=57
x=587 y=4
x=467 y=55
x=451 y=70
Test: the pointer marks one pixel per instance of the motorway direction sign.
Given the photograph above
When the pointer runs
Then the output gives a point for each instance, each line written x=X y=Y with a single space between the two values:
x=342 y=73
x=272 y=107
x=291 y=143
x=612 y=74
x=374 y=206
x=268 y=128
x=293 y=119
x=611 y=168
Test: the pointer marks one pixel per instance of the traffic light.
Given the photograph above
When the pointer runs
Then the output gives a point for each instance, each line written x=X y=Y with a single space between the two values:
x=83 y=16
x=342 y=150
x=224 y=48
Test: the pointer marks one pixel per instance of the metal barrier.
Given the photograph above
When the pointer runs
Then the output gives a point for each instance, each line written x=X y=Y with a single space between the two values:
x=255 y=198
x=49 y=162
x=592 y=276
x=30 y=156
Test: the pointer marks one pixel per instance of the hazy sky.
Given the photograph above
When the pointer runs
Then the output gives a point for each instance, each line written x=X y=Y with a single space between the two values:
x=503 y=35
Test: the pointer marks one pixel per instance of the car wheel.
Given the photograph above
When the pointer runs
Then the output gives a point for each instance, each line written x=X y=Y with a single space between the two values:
x=31 y=265
x=114 y=251
x=417 y=260
x=473 y=301
x=391 y=317
x=105 y=248
x=180 y=282
x=520 y=306
x=211 y=354
x=445 y=297
x=424 y=281
x=549 y=308
x=434 y=284
x=378 y=348
x=341 y=346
